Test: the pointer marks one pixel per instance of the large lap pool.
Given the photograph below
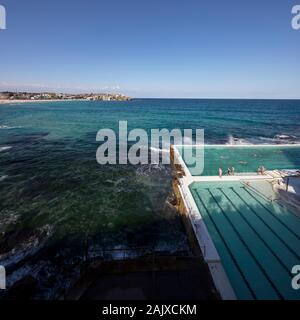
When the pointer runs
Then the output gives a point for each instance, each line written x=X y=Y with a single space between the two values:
x=258 y=240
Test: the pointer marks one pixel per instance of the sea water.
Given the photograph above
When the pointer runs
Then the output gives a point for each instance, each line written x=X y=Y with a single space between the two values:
x=58 y=205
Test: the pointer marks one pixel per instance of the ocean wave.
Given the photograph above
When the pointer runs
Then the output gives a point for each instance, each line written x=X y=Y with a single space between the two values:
x=281 y=139
x=5 y=127
x=147 y=169
x=2 y=178
x=284 y=136
x=232 y=141
x=5 y=148
x=115 y=182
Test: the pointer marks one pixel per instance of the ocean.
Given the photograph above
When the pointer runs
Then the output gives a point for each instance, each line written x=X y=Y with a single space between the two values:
x=58 y=206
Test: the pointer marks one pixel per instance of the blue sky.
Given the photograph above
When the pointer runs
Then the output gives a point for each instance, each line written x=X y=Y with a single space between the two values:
x=157 y=48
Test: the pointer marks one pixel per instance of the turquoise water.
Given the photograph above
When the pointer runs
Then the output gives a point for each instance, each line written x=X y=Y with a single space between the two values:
x=57 y=204
x=258 y=240
x=245 y=159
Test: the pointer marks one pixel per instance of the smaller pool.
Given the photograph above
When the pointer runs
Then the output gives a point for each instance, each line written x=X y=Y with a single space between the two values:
x=258 y=240
x=244 y=158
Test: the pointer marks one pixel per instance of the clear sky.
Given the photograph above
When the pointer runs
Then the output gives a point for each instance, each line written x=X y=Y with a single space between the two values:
x=153 y=48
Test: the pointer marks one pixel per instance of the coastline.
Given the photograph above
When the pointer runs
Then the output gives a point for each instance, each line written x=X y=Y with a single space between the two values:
x=37 y=101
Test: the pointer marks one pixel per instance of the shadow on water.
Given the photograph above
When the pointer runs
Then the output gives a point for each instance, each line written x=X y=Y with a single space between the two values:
x=262 y=233
x=59 y=206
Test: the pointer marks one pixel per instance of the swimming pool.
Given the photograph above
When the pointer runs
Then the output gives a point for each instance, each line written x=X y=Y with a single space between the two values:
x=257 y=240
x=243 y=158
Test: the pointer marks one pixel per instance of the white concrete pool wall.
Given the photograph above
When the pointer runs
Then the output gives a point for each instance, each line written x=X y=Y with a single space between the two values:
x=202 y=235
x=178 y=159
x=205 y=242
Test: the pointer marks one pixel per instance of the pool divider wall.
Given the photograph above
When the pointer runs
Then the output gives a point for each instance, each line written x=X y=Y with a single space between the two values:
x=181 y=208
x=197 y=233
x=201 y=240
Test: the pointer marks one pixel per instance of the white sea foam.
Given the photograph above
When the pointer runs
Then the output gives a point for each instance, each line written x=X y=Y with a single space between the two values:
x=5 y=148
x=281 y=139
x=5 y=127
x=284 y=136
x=232 y=141
x=147 y=169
